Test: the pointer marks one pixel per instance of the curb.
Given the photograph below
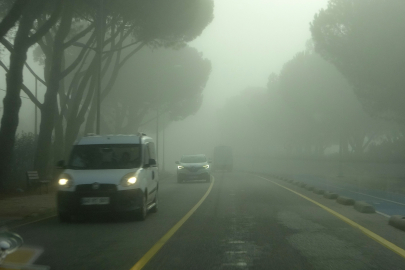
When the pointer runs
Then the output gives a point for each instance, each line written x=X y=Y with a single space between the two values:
x=364 y=207
x=345 y=200
x=318 y=191
x=310 y=188
x=302 y=185
x=397 y=222
x=331 y=196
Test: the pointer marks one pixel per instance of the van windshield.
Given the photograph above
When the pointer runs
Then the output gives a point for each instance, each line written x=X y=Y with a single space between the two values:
x=105 y=156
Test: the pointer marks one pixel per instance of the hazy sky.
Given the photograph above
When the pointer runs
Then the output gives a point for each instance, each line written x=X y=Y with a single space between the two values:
x=249 y=39
x=246 y=42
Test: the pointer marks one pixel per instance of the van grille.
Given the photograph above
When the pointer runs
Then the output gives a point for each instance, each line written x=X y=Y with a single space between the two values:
x=101 y=187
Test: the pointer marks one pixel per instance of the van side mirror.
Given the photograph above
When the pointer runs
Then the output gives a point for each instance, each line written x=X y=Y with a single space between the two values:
x=60 y=164
x=152 y=162
x=177 y=162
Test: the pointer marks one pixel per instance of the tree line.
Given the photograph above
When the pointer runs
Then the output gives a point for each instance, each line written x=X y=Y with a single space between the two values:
x=345 y=90
x=68 y=36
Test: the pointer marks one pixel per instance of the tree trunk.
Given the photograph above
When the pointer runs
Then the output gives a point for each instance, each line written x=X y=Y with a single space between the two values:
x=91 y=118
x=12 y=16
x=12 y=100
x=50 y=100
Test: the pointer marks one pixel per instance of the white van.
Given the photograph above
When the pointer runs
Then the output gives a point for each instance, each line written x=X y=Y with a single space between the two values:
x=109 y=174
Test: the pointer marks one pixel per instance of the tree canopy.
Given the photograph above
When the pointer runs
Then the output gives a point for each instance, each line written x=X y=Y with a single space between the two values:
x=365 y=40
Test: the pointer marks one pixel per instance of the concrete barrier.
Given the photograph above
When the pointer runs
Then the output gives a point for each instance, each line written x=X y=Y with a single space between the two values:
x=397 y=222
x=364 y=207
x=310 y=188
x=330 y=195
x=345 y=200
x=318 y=191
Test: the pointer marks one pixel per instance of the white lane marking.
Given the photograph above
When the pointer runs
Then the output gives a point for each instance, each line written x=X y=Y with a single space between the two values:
x=378 y=198
x=367 y=195
x=383 y=214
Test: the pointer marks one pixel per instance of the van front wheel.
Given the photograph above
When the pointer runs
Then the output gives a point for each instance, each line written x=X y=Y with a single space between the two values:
x=143 y=211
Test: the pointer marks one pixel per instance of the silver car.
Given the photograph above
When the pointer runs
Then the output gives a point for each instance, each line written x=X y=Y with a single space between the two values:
x=193 y=167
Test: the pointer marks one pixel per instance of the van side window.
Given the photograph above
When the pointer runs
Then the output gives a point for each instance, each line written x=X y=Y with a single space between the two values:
x=152 y=153
x=146 y=156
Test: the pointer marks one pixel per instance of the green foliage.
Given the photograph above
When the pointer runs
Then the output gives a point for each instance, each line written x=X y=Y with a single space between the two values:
x=309 y=107
x=365 y=40
x=171 y=79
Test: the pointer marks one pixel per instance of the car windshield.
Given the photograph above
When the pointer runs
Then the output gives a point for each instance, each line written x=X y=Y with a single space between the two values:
x=193 y=159
x=102 y=156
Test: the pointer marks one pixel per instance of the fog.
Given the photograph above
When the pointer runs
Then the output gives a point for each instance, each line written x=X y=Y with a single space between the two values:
x=259 y=76
x=246 y=42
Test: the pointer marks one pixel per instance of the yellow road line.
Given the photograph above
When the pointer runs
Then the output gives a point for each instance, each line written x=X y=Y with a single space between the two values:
x=33 y=221
x=367 y=232
x=159 y=244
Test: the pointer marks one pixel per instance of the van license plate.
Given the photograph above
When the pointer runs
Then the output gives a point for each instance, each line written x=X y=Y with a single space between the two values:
x=95 y=200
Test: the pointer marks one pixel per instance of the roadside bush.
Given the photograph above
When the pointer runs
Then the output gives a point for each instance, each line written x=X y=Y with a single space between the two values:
x=22 y=160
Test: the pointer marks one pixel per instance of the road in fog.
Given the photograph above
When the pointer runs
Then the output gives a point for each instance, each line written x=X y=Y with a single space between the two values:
x=246 y=222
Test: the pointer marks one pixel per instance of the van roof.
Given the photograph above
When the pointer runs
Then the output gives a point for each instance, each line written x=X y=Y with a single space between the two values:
x=113 y=139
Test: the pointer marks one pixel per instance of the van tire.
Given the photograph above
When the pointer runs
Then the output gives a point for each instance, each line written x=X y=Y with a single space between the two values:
x=143 y=211
x=155 y=208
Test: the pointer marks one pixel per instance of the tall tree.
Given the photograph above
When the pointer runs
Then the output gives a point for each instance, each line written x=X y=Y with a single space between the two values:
x=24 y=39
x=365 y=40
x=323 y=99
x=140 y=23
x=10 y=12
x=163 y=81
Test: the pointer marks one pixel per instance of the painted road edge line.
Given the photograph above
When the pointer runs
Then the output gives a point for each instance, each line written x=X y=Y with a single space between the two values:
x=30 y=222
x=367 y=232
x=162 y=241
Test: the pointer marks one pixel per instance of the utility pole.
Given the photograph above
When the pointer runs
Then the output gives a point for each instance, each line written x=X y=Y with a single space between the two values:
x=157 y=131
x=99 y=61
x=163 y=148
x=35 y=110
x=340 y=173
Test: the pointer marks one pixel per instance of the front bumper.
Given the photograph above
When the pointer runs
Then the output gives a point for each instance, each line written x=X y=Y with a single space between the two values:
x=188 y=175
x=120 y=201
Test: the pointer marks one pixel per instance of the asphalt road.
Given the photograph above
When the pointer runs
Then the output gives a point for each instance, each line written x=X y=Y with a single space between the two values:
x=245 y=222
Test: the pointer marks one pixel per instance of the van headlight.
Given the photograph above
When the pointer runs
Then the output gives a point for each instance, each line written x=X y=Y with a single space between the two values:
x=180 y=167
x=65 y=180
x=129 y=180
x=206 y=166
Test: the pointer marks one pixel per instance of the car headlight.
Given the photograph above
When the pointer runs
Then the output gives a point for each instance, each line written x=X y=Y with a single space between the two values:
x=206 y=166
x=65 y=180
x=128 y=180
x=180 y=167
